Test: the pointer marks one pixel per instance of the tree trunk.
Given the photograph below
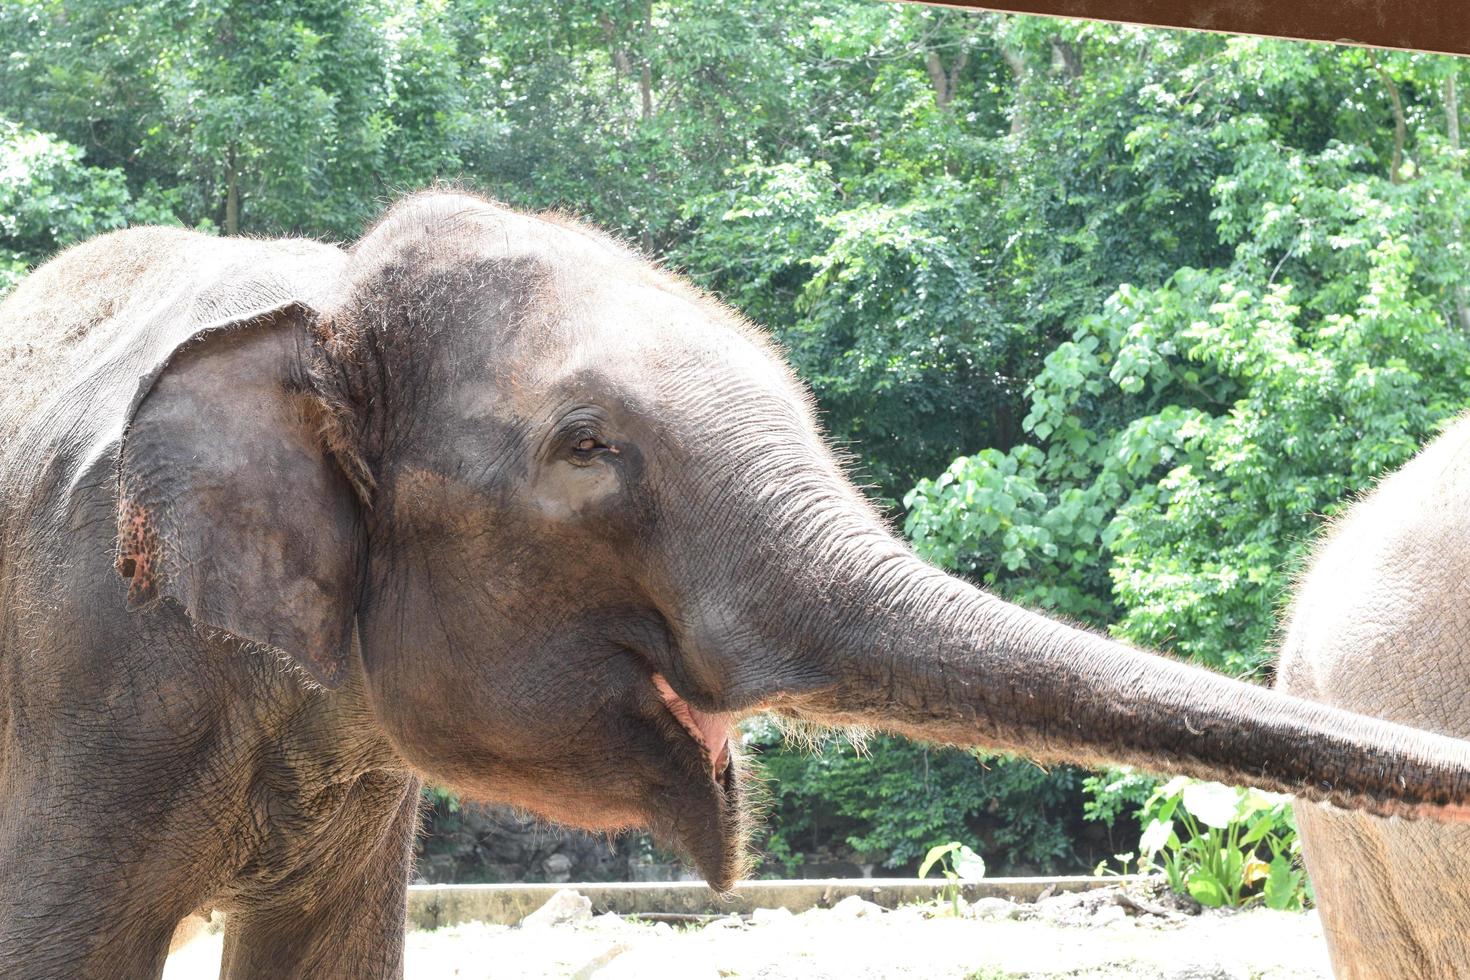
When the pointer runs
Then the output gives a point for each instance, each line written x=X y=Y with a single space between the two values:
x=645 y=77
x=1452 y=126
x=937 y=78
x=945 y=81
x=619 y=55
x=232 y=195
x=1017 y=65
x=1070 y=59
x=1395 y=173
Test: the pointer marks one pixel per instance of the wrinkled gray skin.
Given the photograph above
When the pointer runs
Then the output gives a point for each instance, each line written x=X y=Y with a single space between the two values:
x=285 y=529
x=1381 y=625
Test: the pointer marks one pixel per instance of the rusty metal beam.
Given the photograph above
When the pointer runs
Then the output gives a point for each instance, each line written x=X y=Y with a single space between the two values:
x=1423 y=25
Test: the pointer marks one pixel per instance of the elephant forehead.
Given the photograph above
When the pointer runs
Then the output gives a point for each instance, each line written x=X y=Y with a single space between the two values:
x=606 y=332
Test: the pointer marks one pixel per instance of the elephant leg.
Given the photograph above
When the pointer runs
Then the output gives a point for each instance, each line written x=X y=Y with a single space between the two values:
x=1394 y=896
x=64 y=924
x=71 y=902
x=341 y=916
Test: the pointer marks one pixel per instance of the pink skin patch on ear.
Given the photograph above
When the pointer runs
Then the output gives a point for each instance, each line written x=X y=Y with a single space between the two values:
x=137 y=544
x=706 y=729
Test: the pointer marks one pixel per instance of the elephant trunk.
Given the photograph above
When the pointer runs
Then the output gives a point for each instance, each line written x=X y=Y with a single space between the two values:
x=918 y=652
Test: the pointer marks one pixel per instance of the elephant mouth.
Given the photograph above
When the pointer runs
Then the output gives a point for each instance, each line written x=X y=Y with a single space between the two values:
x=710 y=731
x=704 y=817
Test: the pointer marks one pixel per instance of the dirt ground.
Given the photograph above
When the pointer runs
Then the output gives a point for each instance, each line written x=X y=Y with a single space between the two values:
x=1094 y=936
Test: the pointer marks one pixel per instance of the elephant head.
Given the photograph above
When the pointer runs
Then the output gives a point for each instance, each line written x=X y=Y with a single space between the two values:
x=580 y=517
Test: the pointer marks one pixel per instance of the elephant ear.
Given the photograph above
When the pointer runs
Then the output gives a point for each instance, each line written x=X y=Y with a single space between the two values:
x=230 y=504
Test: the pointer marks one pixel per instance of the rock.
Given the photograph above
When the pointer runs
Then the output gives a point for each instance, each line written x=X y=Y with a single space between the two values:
x=991 y=908
x=563 y=908
x=1207 y=971
x=654 y=964
x=438 y=868
x=1061 y=909
x=558 y=868
x=594 y=967
x=612 y=922
x=910 y=913
x=476 y=843
x=767 y=917
x=1109 y=915
x=854 y=907
x=725 y=922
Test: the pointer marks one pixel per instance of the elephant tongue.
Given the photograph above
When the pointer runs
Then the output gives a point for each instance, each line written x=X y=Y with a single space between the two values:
x=707 y=729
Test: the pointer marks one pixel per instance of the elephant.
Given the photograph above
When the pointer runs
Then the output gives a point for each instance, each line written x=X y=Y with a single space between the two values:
x=485 y=499
x=1377 y=627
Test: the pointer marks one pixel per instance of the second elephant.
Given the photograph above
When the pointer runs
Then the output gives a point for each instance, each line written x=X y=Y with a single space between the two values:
x=1381 y=625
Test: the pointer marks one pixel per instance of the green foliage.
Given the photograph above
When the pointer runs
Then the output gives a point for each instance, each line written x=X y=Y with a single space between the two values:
x=439 y=796
x=49 y=199
x=1189 y=436
x=287 y=115
x=892 y=800
x=1110 y=792
x=1223 y=845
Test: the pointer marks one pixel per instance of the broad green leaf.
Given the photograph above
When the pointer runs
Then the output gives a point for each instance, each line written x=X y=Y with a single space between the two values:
x=1205 y=889
x=1283 y=885
x=968 y=865
x=1212 y=804
x=936 y=854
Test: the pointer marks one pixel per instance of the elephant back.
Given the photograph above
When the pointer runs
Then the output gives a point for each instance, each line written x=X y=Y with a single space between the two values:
x=106 y=314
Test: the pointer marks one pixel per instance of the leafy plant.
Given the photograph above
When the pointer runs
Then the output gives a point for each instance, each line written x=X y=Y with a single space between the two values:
x=958 y=863
x=1223 y=845
x=438 y=795
x=1111 y=792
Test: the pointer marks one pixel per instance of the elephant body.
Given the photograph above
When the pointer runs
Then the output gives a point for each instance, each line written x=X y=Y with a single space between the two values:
x=487 y=499
x=1381 y=625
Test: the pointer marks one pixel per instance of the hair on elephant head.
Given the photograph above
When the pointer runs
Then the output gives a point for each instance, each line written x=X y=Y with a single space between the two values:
x=580 y=517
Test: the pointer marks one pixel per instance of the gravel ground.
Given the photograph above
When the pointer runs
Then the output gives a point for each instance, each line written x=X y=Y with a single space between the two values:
x=1094 y=936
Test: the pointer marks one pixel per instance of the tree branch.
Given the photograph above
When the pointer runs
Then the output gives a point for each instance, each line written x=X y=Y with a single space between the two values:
x=1399 y=129
x=937 y=78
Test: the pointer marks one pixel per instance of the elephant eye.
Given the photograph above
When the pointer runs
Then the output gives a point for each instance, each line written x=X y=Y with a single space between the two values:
x=587 y=446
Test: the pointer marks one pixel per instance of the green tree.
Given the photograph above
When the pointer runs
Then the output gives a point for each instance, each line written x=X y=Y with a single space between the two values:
x=268 y=117
x=1190 y=436
x=888 y=801
x=49 y=198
